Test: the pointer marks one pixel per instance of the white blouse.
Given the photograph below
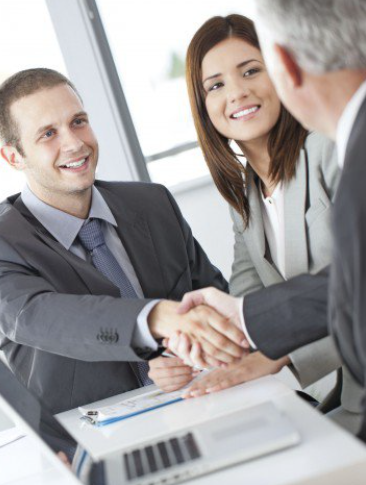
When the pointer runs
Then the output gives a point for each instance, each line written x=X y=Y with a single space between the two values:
x=274 y=226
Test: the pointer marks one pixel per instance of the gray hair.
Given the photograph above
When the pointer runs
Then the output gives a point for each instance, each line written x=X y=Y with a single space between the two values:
x=322 y=35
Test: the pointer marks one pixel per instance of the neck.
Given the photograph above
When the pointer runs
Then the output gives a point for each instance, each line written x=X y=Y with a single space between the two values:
x=258 y=158
x=76 y=204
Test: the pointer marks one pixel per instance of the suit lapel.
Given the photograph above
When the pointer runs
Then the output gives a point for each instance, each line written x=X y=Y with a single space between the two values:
x=93 y=279
x=134 y=232
x=254 y=234
x=296 y=251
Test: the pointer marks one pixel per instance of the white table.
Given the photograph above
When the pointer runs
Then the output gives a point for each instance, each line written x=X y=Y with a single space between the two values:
x=325 y=448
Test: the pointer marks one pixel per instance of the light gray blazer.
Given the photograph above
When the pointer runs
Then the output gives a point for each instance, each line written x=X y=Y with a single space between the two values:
x=308 y=199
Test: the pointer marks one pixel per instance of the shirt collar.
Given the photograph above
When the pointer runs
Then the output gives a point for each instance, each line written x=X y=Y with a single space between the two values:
x=347 y=120
x=65 y=227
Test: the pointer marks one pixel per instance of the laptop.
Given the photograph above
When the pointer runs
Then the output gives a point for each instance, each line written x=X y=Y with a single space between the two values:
x=193 y=451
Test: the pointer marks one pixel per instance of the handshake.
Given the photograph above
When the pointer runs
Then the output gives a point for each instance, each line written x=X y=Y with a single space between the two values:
x=204 y=329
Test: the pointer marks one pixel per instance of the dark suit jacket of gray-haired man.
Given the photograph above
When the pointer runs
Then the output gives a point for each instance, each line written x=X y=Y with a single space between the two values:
x=347 y=308
x=55 y=307
x=325 y=90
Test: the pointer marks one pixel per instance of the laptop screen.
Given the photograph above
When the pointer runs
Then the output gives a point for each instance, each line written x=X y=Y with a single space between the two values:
x=39 y=418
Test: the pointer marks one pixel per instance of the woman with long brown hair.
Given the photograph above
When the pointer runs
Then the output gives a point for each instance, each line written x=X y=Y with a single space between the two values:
x=278 y=179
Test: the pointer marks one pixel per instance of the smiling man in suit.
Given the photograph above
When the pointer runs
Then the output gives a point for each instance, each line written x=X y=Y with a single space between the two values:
x=82 y=264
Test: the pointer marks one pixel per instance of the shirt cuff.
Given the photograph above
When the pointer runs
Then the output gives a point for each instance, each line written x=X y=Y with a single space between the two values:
x=142 y=337
x=240 y=303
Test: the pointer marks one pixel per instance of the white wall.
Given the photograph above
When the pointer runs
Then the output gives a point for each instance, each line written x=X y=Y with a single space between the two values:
x=208 y=215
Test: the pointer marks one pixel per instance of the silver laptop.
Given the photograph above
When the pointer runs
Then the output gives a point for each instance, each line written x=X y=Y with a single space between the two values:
x=215 y=444
x=193 y=451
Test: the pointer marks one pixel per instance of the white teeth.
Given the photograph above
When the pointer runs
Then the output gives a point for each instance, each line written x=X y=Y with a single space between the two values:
x=245 y=112
x=75 y=164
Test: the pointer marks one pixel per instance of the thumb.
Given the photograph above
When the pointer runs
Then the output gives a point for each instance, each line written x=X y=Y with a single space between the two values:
x=189 y=301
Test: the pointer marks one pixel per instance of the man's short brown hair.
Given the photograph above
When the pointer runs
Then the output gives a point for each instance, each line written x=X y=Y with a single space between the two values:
x=21 y=84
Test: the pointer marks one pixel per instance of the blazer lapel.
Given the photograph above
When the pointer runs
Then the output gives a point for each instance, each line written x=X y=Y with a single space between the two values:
x=92 y=279
x=296 y=251
x=254 y=235
x=134 y=232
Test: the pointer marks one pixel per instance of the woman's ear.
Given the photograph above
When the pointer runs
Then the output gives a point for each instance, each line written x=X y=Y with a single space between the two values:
x=289 y=66
x=11 y=155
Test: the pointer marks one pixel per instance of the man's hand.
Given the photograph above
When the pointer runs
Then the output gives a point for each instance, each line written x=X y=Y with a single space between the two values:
x=249 y=368
x=226 y=305
x=219 y=339
x=170 y=373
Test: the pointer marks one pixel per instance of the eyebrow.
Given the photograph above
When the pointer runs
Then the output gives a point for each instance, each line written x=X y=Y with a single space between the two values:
x=241 y=64
x=49 y=126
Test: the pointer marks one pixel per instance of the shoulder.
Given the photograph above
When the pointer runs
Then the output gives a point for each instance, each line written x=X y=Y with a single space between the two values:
x=144 y=197
x=320 y=149
x=128 y=190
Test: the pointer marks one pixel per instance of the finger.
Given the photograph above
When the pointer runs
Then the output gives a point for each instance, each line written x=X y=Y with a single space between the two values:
x=171 y=372
x=169 y=362
x=190 y=300
x=208 y=384
x=197 y=356
x=217 y=350
x=211 y=362
x=163 y=362
x=173 y=343
x=176 y=383
x=216 y=333
x=195 y=390
x=184 y=349
x=226 y=328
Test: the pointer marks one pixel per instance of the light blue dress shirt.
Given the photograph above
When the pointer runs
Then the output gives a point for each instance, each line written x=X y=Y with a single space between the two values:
x=65 y=228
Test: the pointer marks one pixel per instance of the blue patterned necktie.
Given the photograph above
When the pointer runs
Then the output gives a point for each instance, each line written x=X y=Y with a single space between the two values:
x=92 y=238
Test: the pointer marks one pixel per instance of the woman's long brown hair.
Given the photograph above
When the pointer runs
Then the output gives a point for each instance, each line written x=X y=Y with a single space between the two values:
x=285 y=141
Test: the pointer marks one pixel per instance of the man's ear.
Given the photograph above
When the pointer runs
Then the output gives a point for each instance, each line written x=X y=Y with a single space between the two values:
x=11 y=155
x=289 y=66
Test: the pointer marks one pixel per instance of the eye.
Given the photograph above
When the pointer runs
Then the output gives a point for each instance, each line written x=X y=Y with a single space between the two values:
x=48 y=134
x=251 y=72
x=215 y=86
x=80 y=121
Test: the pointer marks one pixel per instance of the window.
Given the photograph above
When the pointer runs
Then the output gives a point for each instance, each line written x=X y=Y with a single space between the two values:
x=27 y=31
x=149 y=40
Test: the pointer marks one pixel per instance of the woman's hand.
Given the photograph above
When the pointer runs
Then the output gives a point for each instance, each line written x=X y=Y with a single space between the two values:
x=249 y=368
x=170 y=373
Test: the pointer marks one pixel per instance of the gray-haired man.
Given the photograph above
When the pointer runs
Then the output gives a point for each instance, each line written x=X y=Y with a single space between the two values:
x=315 y=51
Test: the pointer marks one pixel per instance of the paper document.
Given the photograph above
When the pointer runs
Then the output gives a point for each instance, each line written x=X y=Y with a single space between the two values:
x=130 y=407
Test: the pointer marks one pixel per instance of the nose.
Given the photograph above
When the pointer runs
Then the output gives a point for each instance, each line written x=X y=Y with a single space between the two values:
x=70 y=142
x=237 y=90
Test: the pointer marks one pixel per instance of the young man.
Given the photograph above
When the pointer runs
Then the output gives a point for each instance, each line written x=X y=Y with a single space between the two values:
x=82 y=264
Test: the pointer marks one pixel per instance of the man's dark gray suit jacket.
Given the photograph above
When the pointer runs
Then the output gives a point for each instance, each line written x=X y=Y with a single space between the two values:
x=63 y=326
x=287 y=316
x=347 y=300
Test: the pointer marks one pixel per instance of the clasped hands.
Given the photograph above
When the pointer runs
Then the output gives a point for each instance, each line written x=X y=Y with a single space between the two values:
x=204 y=330
x=210 y=321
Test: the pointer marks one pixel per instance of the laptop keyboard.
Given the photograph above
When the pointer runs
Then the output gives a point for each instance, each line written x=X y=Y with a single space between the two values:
x=161 y=455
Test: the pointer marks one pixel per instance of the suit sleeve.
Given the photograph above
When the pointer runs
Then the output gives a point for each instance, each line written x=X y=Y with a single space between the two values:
x=286 y=316
x=35 y=314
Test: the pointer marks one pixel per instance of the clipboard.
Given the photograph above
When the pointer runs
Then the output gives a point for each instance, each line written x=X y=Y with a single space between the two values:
x=129 y=408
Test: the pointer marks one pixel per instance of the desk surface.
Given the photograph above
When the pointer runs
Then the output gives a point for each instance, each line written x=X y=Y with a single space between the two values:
x=325 y=448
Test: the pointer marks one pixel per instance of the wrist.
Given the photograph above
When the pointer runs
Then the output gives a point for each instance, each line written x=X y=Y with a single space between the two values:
x=284 y=361
x=162 y=320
